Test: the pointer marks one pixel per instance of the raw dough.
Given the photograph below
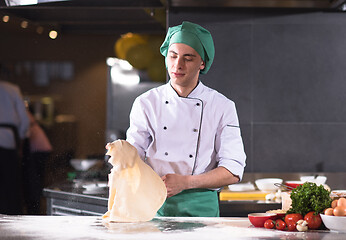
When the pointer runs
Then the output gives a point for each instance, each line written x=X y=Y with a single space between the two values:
x=136 y=192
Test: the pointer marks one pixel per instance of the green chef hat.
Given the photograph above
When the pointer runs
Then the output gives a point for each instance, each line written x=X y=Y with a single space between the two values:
x=194 y=36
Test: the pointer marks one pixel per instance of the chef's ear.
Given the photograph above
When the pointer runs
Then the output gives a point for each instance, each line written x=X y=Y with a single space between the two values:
x=202 y=66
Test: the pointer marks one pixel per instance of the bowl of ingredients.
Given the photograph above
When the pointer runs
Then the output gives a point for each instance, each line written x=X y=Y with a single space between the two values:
x=258 y=219
x=293 y=184
x=334 y=217
x=336 y=194
x=279 y=213
x=268 y=184
x=334 y=223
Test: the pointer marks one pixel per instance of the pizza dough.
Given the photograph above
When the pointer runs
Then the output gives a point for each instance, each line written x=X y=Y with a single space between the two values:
x=136 y=192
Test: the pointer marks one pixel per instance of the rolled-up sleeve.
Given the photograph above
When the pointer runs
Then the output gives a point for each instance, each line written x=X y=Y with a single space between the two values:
x=229 y=146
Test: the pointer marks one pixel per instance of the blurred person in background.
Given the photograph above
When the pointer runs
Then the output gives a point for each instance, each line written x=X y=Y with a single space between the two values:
x=37 y=150
x=14 y=125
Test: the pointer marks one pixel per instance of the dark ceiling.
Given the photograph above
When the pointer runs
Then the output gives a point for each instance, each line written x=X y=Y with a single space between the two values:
x=93 y=17
x=121 y=16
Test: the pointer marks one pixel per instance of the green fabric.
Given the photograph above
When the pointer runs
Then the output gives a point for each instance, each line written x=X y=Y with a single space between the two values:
x=194 y=36
x=190 y=39
x=191 y=203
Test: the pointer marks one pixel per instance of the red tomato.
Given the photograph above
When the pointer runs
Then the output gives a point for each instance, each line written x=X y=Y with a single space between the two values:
x=314 y=221
x=280 y=225
x=292 y=226
x=293 y=218
x=269 y=224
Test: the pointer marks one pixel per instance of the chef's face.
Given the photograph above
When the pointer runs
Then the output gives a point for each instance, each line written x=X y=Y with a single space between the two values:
x=184 y=65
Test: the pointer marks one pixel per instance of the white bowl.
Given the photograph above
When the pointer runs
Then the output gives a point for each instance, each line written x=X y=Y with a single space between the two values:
x=334 y=223
x=82 y=164
x=267 y=184
x=318 y=180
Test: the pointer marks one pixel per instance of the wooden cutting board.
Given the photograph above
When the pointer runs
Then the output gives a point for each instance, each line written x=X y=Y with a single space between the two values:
x=246 y=195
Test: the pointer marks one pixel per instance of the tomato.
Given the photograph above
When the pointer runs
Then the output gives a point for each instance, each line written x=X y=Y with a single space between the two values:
x=292 y=226
x=314 y=221
x=280 y=225
x=269 y=224
x=293 y=217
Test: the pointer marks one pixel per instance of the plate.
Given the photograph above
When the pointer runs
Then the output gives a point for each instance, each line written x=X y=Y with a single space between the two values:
x=95 y=188
x=96 y=185
x=241 y=187
x=95 y=191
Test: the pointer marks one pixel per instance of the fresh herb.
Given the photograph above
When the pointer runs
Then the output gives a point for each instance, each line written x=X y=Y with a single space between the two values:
x=309 y=197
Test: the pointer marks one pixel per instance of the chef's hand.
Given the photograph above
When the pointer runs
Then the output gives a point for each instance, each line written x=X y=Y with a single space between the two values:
x=216 y=178
x=175 y=183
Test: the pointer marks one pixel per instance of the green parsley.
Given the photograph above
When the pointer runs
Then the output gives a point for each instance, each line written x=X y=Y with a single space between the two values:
x=309 y=197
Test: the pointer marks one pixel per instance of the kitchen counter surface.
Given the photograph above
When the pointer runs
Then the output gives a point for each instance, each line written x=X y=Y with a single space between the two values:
x=92 y=227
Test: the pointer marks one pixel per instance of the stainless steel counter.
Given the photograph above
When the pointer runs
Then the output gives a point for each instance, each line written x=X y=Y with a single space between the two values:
x=91 y=227
x=67 y=199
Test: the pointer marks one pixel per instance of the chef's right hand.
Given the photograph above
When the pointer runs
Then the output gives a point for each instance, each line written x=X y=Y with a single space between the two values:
x=175 y=183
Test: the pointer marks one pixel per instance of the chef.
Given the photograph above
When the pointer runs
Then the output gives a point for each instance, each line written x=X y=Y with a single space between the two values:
x=187 y=132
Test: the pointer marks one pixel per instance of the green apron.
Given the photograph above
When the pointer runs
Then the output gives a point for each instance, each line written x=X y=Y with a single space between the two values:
x=191 y=203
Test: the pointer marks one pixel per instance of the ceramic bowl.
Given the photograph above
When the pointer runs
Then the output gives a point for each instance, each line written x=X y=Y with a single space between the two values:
x=318 y=179
x=83 y=164
x=293 y=184
x=267 y=184
x=280 y=215
x=258 y=219
x=334 y=223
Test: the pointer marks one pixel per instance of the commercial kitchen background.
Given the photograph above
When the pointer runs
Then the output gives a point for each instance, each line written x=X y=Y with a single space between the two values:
x=284 y=68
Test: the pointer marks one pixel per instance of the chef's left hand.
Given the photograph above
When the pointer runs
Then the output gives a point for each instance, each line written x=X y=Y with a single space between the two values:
x=175 y=183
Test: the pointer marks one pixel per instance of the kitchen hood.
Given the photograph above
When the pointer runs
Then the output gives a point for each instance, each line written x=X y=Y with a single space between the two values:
x=112 y=17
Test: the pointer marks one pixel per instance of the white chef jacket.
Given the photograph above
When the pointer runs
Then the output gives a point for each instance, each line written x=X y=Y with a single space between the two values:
x=186 y=135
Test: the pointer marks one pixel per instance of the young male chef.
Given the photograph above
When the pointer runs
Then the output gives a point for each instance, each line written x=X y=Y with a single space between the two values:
x=188 y=133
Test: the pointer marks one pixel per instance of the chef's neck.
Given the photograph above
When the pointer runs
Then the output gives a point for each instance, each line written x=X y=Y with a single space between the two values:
x=184 y=90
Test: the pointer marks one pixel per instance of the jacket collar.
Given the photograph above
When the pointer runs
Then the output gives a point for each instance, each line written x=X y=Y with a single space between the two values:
x=196 y=92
